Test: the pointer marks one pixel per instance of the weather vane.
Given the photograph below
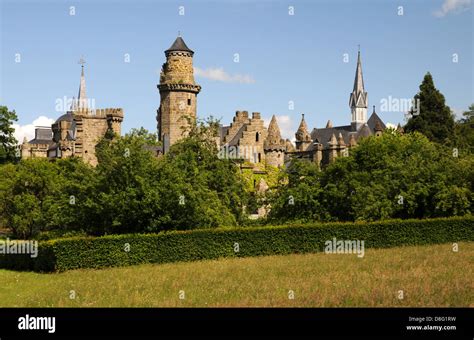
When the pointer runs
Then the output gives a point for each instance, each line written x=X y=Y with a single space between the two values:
x=81 y=61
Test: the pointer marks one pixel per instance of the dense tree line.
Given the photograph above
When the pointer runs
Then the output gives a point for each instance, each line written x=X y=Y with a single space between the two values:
x=426 y=172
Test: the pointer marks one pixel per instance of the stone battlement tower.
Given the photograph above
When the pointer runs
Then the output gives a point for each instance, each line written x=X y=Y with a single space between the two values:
x=178 y=92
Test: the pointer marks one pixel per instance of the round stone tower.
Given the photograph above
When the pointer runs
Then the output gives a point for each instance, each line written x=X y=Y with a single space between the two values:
x=178 y=92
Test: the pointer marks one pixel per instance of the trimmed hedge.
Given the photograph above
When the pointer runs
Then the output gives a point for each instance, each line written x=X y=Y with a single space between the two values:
x=174 y=246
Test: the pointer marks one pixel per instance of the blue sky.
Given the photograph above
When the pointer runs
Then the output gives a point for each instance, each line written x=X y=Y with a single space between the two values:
x=282 y=57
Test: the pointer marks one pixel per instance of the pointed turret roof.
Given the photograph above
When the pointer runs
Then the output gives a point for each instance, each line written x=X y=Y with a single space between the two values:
x=274 y=139
x=179 y=45
x=302 y=133
x=340 y=140
x=352 y=140
x=333 y=140
x=273 y=129
x=329 y=124
x=82 y=97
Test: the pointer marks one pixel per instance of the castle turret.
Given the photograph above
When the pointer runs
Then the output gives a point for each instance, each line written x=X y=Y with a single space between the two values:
x=352 y=141
x=358 y=100
x=333 y=148
x=178 y=92
x=274 y=145
x=303 y=138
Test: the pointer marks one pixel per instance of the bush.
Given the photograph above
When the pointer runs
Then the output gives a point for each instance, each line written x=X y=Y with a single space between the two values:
x=111 y=251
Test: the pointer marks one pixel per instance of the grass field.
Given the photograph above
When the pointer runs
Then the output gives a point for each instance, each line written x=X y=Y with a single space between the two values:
x=427 y=275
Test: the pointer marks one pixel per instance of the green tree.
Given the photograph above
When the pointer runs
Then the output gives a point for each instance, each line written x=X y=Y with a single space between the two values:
x=465 y=131
x=8 y=143
x=431 y=116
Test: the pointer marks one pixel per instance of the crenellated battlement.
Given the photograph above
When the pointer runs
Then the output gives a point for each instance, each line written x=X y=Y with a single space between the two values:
x=100 y=113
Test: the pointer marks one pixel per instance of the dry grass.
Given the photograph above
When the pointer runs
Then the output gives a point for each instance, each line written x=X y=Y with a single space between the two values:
x=428 y=276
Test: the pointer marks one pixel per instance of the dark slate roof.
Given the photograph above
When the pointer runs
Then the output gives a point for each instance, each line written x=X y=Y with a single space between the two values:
x=374 y=118
x=324 y=135
x=41 y=141
x=364 y=131
x=67 y=117
x=43 y=133
x=179 y=45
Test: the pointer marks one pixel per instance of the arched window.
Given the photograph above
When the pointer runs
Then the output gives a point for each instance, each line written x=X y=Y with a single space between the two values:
x=256 y=136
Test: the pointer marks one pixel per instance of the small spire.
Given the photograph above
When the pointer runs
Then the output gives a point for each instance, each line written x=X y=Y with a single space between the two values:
x=302 y=133
x=373 y=109
x=82 y=97
x=340 y=140
x=333 y=140
x=352 y=140
x=329 y=124
x=25 y=141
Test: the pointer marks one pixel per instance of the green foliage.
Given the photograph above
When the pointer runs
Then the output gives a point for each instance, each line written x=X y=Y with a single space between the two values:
x=385 y=177
x=464 y=130
x=38 y=195
x=434 y=118
x=8 y=152
x=121 y=250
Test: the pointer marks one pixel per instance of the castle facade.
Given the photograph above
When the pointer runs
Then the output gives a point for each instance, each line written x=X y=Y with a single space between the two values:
x=247 y=136
x=75 y=133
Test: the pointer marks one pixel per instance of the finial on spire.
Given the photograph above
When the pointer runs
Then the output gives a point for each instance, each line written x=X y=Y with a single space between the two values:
x=81 y=61
x=374 y=109
x=358 y=47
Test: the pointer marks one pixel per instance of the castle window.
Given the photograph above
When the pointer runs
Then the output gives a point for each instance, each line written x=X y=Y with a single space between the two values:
x=189 y=101
x=259 y=157
x=256 y=136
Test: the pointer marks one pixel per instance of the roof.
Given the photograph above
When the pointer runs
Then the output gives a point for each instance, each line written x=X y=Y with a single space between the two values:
x=65 y=117
x=374 y=120
x=179 y=45
x=324 y=135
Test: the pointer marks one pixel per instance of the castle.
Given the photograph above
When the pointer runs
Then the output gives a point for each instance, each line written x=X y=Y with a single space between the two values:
x=247 y=136
x=76 y=133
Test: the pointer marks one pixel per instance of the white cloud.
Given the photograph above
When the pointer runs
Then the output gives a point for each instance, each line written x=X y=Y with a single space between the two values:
x=452 y=6
x=28 y=130
x=391 y=126
x=218 y=74
x=285 y=123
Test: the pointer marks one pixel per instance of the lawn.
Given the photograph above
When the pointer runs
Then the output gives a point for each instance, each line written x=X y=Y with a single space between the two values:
x=428 y=276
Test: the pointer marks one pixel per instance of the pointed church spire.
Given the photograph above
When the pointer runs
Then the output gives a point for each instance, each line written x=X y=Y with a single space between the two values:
x=358 y=100
x=359 y=79
x=82 y=97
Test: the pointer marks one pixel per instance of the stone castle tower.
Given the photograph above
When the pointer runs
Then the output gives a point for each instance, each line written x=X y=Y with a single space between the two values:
x=178 y=92
x=75 y=133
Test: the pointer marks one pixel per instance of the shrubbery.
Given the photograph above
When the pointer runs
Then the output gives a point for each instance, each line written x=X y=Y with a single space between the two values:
x=392 y=176
x=120 y=250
